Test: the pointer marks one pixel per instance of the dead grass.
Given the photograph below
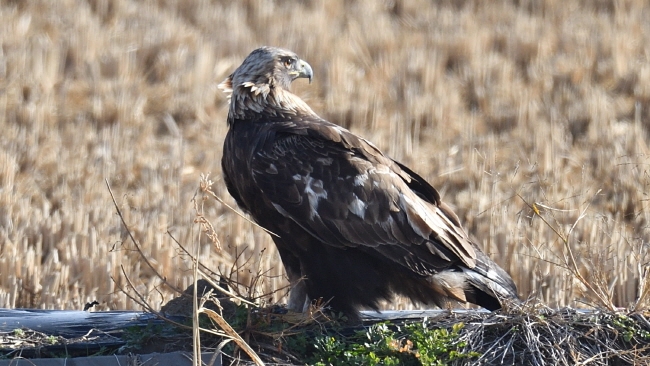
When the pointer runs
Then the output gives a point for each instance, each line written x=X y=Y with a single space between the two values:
x=491 y=101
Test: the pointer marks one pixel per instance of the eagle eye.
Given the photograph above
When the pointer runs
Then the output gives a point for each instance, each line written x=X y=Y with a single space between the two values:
x=288 y=62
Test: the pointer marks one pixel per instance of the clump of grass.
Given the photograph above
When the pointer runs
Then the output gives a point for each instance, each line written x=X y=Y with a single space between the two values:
x=386 y=344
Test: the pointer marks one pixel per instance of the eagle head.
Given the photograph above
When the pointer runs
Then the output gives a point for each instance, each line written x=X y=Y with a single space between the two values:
x=270 y=67
x=266 y=70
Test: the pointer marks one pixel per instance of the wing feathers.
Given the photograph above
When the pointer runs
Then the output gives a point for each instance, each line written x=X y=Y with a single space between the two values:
x=428 y=220
x=346 y=197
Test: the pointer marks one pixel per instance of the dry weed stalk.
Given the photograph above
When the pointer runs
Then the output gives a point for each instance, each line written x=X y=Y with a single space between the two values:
x=248 y=296
x=643 y=289
x=602 y=295
x=206 y=187
x=226 y=330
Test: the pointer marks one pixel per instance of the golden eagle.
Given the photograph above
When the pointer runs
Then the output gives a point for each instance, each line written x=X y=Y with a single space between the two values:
x=354 y=226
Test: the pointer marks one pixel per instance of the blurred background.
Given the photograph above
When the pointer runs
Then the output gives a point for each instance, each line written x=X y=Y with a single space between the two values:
x=532 y=118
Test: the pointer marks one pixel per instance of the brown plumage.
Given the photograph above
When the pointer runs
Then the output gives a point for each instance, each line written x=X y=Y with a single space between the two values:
x=354 y=225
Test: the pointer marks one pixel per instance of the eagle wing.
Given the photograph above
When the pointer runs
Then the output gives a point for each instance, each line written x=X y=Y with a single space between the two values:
x=345 y=192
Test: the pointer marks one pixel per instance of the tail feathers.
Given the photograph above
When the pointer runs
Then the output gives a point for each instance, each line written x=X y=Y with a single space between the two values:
x=489 y=277
x=486 y=285
x=489 y=292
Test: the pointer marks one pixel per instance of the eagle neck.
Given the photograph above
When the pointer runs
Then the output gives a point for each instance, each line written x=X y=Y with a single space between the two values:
x=278 y=103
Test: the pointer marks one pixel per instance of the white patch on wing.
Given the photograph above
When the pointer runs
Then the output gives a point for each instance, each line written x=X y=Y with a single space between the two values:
x=377 y=173
x=297 y=177
x=360 y=179
x=314 y=191
x=358 y=207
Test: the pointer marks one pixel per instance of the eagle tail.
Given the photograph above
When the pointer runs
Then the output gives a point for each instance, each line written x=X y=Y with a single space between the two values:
x=486 y=285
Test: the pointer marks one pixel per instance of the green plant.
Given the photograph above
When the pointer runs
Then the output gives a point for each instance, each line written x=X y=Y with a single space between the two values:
x=437 y=346
x=630 y=329
x=387 y=344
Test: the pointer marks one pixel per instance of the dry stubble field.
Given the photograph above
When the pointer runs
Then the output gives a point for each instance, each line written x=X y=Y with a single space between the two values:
x=517 y=111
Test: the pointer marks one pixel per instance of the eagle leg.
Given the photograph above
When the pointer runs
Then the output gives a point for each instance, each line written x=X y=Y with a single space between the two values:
x=298 y=299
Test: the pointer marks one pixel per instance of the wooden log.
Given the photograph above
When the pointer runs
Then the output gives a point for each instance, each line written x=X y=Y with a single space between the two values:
x=72 y=323
x=34 y=333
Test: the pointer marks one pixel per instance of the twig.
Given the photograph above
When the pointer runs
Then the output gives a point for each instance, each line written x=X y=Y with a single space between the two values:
x=223 y=324
x=135 y=243
x=206 y=188
x=572 y=264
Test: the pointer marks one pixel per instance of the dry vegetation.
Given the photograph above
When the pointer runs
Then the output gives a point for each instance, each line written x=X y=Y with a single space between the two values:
x=531 y=117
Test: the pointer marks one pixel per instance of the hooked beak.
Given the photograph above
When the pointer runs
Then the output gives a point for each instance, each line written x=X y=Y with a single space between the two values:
x=304 y=71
